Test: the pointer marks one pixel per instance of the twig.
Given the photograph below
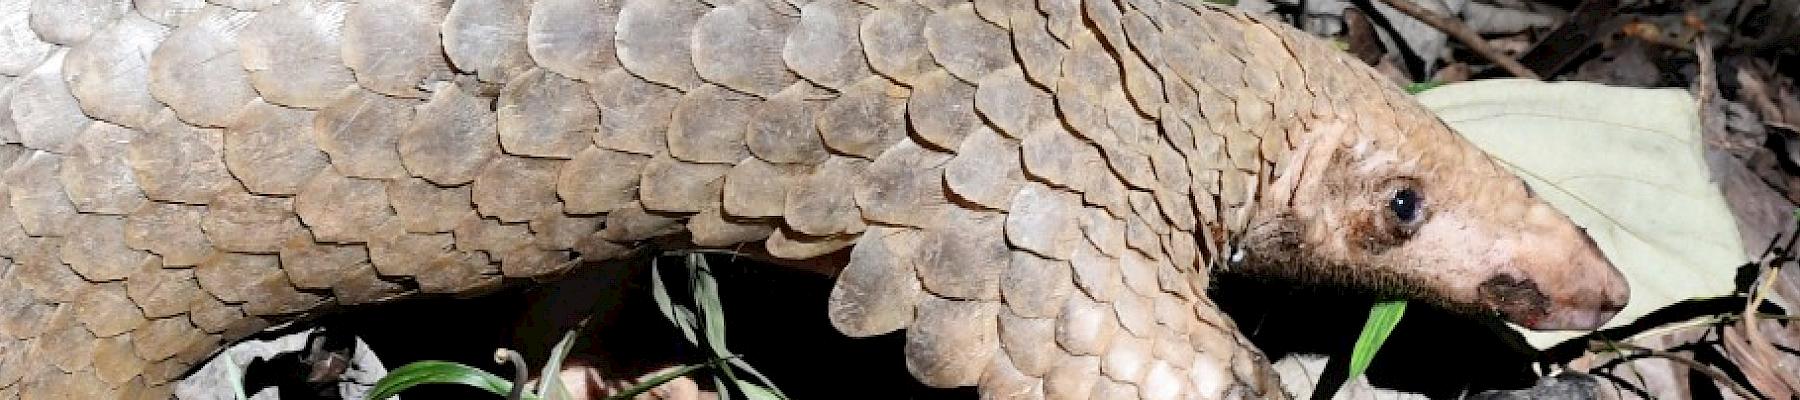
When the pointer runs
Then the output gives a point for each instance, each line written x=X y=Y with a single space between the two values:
x=1708 y=370
x=1708 y=75
x=1463 y=34
x=1763 y=352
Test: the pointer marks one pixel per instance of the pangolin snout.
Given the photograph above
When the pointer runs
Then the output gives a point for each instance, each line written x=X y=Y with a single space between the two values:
x=1568 y=286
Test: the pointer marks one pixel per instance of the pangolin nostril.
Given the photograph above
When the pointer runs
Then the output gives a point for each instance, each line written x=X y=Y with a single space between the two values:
x=1518 y=299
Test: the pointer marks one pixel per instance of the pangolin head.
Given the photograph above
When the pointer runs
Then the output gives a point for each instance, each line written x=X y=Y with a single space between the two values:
x=1426 y=215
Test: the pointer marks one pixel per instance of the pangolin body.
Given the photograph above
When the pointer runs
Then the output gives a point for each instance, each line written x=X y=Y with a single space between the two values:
x=1037 y=192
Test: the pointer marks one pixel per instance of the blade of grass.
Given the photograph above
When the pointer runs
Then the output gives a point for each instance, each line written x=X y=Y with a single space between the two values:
x=712 y=311
x=754 y=392
x=1382 y=319
x=658 y=380
x=719 y=385
x=1416 y=87
x=678 y=315
x=550 y=379
x=437 y=372
x=745 y=365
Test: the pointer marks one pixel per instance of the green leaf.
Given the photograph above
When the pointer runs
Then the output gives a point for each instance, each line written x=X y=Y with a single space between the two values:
x=1382 y=319
x=441 y=372
x=658 y=380
x=676 y=314
x=712 y=311
x=754 y=392
x=1416 y=87
x=745 y=365
x=550 y=382
x=719 y=385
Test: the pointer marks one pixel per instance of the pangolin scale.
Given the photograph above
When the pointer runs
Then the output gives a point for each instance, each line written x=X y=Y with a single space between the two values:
x=1036 y=192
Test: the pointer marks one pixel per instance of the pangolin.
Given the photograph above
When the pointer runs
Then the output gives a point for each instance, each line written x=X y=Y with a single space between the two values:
x=1036 y=192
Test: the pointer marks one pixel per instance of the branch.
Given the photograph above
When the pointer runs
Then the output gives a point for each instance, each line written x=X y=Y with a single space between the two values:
x=1708 y=370
x=1463 y=34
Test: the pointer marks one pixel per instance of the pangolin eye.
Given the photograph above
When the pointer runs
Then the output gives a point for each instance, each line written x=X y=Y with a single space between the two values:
x=1405 y=205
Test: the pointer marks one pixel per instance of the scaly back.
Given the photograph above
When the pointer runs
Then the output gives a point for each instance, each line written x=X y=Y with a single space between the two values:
x=1033 y=191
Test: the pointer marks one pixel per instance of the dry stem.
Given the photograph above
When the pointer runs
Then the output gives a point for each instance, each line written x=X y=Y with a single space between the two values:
x=1463 y=34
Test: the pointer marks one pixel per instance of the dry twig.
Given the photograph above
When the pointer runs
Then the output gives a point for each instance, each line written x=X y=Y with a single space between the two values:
x=1708 y=370
x=1462 y=33
x=1763 y=354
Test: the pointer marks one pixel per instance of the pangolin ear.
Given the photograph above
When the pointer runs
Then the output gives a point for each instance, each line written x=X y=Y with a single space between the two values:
x=1304 y=165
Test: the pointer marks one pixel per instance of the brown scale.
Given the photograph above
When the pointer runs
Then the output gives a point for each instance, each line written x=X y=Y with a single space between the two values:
x=714 y=228
x=1030 y=343
x=96 y=249
x=782 y=131
x=487 y=37
x=108 y=71
x=170 y=230
x=208 y=34
x=756 y=188
x=516 y=189
x=26 y=313
x=986 y=171
x=342 y=209
x=738 y=46
x=824 y=46
x=291 y=52
x=25 y=48
x=392 y=45
x=708 y=126
x=652 y=40
x=46 y=115
x=545 y=114
x=893 y=39
x=244 y=222
x=557 y=229
x=96 y=176
x=176 y=162
x=787 y=244
x=866 y=119
x=941 y=111
x=592 y=183
x=572 y=37
x=398 y=253
x=451 y=137
x=162 y=292
x=358 y=132
x=313 y=265
x=635 y=112
x=269 y=151
x=114 y=361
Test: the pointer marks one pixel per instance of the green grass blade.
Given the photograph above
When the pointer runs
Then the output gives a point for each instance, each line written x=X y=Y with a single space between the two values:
x=658 y=380
x=1382 y=319
x=439 y=372
x=712 y=311
x=719 y=385
x=754 y=392
x=745 y=365
x=1416 y=87
x=678 y=315
x=550 y=378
